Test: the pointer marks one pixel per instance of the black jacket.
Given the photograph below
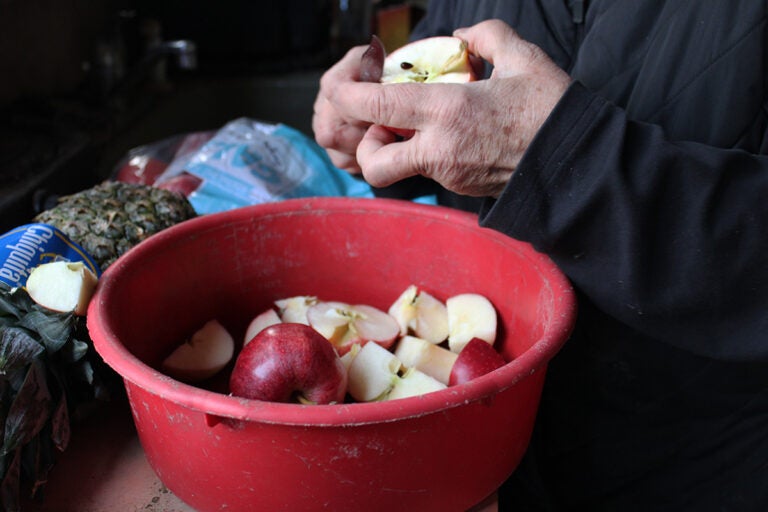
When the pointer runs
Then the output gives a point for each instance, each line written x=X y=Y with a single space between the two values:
x=648 y=187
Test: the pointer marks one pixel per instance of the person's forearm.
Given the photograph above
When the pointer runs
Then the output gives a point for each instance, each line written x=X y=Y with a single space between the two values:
x=666 y=237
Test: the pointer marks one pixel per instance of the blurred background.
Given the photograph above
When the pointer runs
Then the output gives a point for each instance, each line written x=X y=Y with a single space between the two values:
x=85 y=81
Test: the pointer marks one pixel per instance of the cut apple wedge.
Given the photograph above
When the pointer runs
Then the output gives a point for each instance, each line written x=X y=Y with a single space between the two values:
x=414 y=383
x=344 y=325
x=476 y=359
x=372 y=373
x=62 y=286
x=430 y=60
x=470 y=315
x=204 y=355
x=419 y=313
x=294 y=309
x=434 y=360
x=259 y=323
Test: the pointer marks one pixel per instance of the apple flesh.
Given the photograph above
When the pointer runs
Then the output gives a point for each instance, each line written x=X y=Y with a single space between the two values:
x=62 y=286
x=204 y=355
x=344 y=325
x=259 y=323
x=419 y=313
x=414 y=383
x=476 y=359
x=434 y=360
x=289 y=362
x=294 y=309
x=441 y=59
x=470 y=315
x=372 y=373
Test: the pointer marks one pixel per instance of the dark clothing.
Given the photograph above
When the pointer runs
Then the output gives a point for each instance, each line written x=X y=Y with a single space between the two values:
x=648 y=186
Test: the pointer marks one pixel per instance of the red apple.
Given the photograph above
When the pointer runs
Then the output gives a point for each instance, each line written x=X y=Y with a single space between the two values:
x=476 y=358
x=287 y=362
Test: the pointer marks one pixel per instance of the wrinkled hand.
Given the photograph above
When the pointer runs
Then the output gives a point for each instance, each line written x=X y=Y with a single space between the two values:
x=468 y=137
x=339 y=134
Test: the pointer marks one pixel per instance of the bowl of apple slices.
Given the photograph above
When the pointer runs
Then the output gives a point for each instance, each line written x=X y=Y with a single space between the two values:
x=332 y=354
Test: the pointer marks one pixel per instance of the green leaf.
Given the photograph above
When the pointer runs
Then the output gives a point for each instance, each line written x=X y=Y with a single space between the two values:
x=29 y=411
x=54 y=329
x=17 y=349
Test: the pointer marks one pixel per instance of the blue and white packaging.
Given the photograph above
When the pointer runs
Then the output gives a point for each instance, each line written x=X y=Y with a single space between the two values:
x=25 y=247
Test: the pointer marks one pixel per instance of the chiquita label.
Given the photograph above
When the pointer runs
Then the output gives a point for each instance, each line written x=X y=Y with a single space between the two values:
x=28 y=246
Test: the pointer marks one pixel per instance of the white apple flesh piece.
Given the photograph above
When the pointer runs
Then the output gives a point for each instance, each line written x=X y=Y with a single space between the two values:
x=372 y=373
x=421 y=314
x=62 y=286
x=476 y=359
x=344 y=325
x=434 y=360
x=294 y=309
x=414 y=383
x=289 y=362
x=470 y=315
x=204 y=355
x=259 y=323
x=430 y=60
x=350 y=355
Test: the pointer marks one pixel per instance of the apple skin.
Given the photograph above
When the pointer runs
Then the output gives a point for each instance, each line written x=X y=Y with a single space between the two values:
x=476 y=358
x=289 y=361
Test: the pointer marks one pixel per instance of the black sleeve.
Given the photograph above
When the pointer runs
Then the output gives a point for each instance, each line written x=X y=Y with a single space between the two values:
x=670 y=238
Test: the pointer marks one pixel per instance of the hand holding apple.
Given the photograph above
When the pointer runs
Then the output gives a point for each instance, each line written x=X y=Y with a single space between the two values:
x=461 y=139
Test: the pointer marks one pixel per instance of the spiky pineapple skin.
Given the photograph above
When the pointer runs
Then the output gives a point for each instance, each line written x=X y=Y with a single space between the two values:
x=110 y=218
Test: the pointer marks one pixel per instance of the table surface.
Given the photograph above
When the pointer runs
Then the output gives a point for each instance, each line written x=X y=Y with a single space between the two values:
x=104 y=469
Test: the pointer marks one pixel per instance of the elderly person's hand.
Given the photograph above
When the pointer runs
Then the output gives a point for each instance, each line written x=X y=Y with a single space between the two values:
x=467 y=137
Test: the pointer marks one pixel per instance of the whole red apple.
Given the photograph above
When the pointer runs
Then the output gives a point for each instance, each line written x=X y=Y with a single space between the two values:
x=477 y=358
x=288 y=362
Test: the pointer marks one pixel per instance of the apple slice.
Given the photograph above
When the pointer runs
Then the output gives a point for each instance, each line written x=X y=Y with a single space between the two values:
x=427 y=357
x=259 y=323
x=372 y=373
x=430 y=60
x=414 y=383
x=204 y=355
x=344 y=325
x=476 y=359
x=294 y=309
x=421 y=314
x=62 y=286
x=470 y=315
x=350 y=355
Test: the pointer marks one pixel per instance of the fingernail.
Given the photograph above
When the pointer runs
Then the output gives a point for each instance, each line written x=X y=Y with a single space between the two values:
x=459 y=32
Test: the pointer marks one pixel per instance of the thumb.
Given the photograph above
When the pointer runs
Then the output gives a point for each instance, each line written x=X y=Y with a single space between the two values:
x=499 y=44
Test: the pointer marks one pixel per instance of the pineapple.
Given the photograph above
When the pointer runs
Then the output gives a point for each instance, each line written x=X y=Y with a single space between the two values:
x=112 y=217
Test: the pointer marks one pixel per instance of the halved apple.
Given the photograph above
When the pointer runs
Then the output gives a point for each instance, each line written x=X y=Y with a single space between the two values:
x=62 y=286
x=434 y=360
x=344 y=325
x=430 y=60
x=421 y=314
x=294 y=309
x=414 y=383
x=470 y=315
x=204 y=355
x=372 y=373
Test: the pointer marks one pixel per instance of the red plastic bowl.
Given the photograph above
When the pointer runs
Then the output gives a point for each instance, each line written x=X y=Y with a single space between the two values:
x=444 y=451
